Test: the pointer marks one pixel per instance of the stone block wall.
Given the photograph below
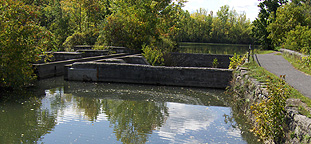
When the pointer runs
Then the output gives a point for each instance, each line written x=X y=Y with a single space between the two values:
x=197 y=60
x=145 y=74
x=51 y=69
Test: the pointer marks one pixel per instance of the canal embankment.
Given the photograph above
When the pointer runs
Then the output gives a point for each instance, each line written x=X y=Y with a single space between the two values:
x=251 y=91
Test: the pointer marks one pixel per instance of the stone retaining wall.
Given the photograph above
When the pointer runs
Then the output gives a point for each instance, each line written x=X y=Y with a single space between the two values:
x=146 y=74
x=249 y=91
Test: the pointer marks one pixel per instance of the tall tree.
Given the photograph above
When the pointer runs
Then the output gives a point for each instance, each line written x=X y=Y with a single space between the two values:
x=290 y=28
x=266 y=15
x=22 y=40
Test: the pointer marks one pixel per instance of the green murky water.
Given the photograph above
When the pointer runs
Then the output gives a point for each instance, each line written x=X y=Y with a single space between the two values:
x=210 y=48
x=57 y=111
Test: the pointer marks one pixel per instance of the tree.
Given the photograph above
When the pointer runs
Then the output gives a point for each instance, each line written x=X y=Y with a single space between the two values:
x=266 y=15
x=291 y=28
x=22 y=40
x=135 y=23
x=287 y=18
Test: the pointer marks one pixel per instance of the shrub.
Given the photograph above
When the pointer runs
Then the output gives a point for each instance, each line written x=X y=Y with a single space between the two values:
x=155 y=52
x=22 y=41
x=270 y=112
x=87 y=38
x=299 y=39
x=215 y=63
x=154 y=55
x=236 y=61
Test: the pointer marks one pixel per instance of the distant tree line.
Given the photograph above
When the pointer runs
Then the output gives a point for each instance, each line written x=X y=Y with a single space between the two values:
x=226 y=27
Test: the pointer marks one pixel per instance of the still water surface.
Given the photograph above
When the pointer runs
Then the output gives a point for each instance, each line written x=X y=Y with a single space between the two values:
x=210 y=48
x=57 y=111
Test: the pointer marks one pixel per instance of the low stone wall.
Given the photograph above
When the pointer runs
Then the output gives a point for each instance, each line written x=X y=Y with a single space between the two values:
x=292 y=53
x=249 y=91
x=197 y=60
x=146 y=74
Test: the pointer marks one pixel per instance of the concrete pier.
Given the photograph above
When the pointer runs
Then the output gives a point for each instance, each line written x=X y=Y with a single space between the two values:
x=135 y=69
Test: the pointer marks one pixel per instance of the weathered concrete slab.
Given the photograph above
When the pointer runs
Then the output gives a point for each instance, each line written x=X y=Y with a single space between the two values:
x=146 y=74
x=130 y=59
x=60 y=56
x=197 y=60
x=51 y=69
x=90 y=53
x=79 y=47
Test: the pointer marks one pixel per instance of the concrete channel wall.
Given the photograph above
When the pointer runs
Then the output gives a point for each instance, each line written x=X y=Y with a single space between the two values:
x=51 y=69
x=197 y=60
x=146 y=74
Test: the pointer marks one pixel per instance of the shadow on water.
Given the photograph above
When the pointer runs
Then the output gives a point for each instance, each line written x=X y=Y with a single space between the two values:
x=210 y=48
x=57 y=111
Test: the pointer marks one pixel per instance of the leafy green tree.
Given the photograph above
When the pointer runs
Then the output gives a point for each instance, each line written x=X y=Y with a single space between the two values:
x=287 y=18
x=291 y=27
x=299 y=40
x=135 y=23
x=22 y=40
x=266 y=16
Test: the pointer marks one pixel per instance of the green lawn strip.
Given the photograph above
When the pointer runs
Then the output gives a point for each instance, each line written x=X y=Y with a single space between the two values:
x=297 y=64
x=261 y=75
x=263 y=51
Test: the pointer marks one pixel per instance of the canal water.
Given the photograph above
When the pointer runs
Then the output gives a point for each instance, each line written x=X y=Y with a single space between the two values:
x=58 y=111
x=213 y=48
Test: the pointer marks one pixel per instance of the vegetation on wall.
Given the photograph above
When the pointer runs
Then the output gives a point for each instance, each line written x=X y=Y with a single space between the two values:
x=270 y=111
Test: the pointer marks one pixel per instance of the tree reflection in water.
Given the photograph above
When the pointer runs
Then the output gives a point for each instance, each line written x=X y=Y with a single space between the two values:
x=134 y=120
x=22 y=120
x=68 y=110
x=131 y=120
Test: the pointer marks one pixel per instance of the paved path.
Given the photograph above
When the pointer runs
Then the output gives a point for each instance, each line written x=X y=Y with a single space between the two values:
x=277 y=65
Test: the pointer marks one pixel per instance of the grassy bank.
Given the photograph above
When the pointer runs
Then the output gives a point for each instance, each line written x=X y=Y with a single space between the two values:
x=263 y=75
x=298 y=64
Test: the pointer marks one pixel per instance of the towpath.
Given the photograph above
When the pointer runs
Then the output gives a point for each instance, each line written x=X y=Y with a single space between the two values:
x=276 y=64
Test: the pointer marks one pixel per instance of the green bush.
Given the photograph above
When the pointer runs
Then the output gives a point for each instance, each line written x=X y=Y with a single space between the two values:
x=236 y=61
x=299 y=39
x=270 y=111
x=306 y=62
x=154 y=55
x=22 y=41
x=215 y=63
x=87 y=38
x=155 y=52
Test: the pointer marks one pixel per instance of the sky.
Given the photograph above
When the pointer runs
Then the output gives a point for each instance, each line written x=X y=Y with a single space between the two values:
x=247 y=6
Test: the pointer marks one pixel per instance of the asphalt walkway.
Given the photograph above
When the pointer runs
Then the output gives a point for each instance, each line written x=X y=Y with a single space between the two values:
x=277 y=65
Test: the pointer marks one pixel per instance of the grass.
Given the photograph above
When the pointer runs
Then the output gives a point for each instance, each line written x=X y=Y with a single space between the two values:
x=297 y=64
x=261 y=75
x=257 y=51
